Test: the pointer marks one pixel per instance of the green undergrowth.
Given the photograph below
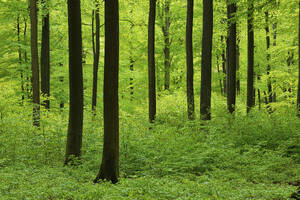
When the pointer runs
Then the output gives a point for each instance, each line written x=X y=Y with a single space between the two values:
x=241 y=157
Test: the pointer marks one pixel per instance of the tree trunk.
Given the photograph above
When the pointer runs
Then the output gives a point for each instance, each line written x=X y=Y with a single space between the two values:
x=96 y=56
x=270 y=96
x=151 y=61
x=298 y=97
x=205 y=98
x=20 y=58
x=250 y=78
x=45 y=57
x=219 y=72
x=224 y=67
x=166 y=31
x=189 y=60
x=28 y=78
x=231 y=57
x=61 y=80
x=238 y=82
x=35 y=63
x=109 y=169
x=74 y=139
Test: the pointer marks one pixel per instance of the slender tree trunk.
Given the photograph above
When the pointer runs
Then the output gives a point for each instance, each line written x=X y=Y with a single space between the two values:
x=224 y=67
x=61 y=80
x=219 y=72
x=20 y=58
x=28 y=78
x=109 y=169
x=205 y=98
x=270 y=96
x=131 y=66
x=151 y=61
x=74 y=139
x=238 y=82
x=45 y=57
x=96 y=57
x=231 y=59
x=189 y=60
x=250 y=78
x=298 y=97
x=35 y=63
x=274 y=26
x=166 y=31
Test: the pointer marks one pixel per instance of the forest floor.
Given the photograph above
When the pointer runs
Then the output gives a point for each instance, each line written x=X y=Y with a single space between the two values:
x=245 y=157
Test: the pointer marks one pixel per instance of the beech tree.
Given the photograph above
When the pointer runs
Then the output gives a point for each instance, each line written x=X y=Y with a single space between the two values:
x=45 y=55
x=35 y=62
x=109 y=169
x=205 y=96
x=74 y=139
x=190 y=60
x=298 y=99
x=151 y=61
x=250 y=77
x=96 y=53
x=166 y=32
x=231 y=56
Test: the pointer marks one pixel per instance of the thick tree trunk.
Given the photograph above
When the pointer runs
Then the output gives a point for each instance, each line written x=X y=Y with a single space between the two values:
x=189 y=60
x=96 y=56
x=250 y=78
x=270 y=96
x=151 y=61
x=205 y=98
x=231 y=57
x=74 y=139
x=45 y=57
x=109 y=169
x=166 y=31
x=35 y=63
x=298 y=98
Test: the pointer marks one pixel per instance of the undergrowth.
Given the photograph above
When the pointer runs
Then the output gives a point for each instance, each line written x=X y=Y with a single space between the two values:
x=240 y=157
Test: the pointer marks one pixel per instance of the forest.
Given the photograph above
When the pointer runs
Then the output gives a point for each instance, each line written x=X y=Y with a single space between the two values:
x=155 y=99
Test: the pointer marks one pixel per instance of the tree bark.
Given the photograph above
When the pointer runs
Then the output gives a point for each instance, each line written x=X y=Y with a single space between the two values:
x=74 y=139
x=270 y=96
x=45 y=57
x=96 y=56
x=190 y=60
x=205 y=98
x=250 y=78
x=35 y=63
x=298 y=97
x=20 y=58
x=224 y=67
x=109 y=169
x=166 y=31
x=231 y=59
x=151 y=61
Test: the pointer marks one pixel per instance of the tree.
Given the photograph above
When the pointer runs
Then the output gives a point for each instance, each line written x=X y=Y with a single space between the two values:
x=205 y=97
x=250 y=77
x=189 y=60
x=231 y=56
x=166 y=32
x=74 y=139
x=151 y=61
x=109 y=169
x=45 y=55
x=35 y=63
x=96 y=53
x=298 y=99
x=20 y=57
x=270 y=96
